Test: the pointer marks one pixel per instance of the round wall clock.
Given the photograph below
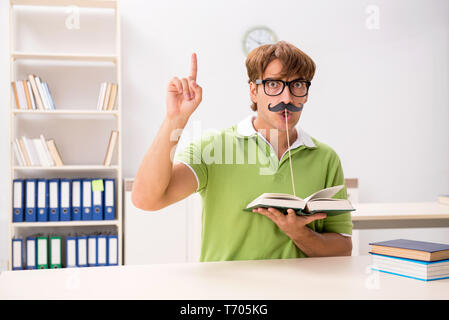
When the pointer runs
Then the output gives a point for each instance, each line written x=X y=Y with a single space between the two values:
x=258 y=36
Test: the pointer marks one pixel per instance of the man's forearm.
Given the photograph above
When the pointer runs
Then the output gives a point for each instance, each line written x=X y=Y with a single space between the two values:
x=154 y=172
x=315 y=244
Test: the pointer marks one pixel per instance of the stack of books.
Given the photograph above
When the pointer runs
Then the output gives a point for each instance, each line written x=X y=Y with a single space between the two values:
x=413 y=259
x=107 y=97
x=32 y=94
x=37 y=152
x=443 y=198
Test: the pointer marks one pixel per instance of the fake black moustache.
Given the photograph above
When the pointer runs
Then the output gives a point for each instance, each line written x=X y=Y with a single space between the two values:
x=282 y=106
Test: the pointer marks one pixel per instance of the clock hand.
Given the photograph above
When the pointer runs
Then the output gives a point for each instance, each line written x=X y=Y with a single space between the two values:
x=255 y=40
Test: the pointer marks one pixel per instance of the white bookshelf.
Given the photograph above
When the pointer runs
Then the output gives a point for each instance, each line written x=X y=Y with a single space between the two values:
x=64 y=56
x=74 y=116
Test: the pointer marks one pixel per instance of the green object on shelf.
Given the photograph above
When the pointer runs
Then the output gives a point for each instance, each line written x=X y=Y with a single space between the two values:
x=97 y=185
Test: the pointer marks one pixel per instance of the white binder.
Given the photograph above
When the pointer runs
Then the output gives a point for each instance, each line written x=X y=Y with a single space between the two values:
x=31 y=253
x=82 y=251
x=112 y=250
x=17 y=254
x=92 y=251
x=71 y=253
x=102 y=250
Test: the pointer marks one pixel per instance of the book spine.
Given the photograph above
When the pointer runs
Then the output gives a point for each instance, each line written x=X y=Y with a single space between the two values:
x=18 y=155
x=31 y=151
x=54 y=152
x=47 y=152
x=106 y=96
x=21 y=94
x=27 y=95
x=30 y=92
x=41 y=155
x=110 y=149
x=16 y=95
x=43 y=94
x=101 y=96
x=111 y=102
x=24 y=151
x=37 y=95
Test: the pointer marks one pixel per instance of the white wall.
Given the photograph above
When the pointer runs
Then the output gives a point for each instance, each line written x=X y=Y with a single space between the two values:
x=379 y=98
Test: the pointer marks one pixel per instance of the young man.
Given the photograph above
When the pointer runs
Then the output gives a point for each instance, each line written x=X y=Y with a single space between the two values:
x=233 y=167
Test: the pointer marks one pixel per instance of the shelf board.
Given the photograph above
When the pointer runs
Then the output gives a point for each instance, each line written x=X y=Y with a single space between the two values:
x=58 y=3
x=66 y=112
x=68 y=168
x=65 y=223
x=63 y=56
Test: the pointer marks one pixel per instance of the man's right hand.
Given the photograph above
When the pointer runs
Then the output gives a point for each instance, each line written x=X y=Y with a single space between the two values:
x=184 y=95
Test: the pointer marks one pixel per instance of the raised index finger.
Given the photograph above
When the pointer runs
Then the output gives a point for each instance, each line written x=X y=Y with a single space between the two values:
x=193 y=67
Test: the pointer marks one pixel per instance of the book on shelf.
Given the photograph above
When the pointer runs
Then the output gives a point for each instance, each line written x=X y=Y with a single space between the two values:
x=443 y=199
x=110 y=149
x=37 y=152
x=107 y=97
x=411 y=249
x=32 y=94
x=320 y=201
x=51 y=144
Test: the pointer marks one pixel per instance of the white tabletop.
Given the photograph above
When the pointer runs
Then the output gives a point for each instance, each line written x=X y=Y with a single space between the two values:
x=310 y=278
x=400 y=211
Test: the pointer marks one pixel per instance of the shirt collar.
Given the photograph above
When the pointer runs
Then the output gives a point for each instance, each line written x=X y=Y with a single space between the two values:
x=245 y=128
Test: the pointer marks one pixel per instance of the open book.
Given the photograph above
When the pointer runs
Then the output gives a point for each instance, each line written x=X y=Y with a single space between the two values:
x=320 y=201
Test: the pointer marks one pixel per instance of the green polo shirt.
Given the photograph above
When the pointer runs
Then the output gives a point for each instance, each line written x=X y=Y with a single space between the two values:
x=236 y=165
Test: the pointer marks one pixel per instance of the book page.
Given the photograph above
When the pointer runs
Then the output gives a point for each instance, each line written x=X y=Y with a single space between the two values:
x=279 y=196
x=324 y=193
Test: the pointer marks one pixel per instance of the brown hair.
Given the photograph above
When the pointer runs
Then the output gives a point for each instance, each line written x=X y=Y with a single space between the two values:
x=294 y=61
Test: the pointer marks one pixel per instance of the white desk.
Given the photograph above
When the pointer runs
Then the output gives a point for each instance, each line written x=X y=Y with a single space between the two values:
x=425 y=221
x=400 y=211
x=311 y=278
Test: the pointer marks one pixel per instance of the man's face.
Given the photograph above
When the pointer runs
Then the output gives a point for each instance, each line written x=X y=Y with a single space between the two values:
x=270 y=119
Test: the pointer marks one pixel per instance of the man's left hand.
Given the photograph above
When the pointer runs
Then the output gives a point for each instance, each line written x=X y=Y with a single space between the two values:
x=291 y=223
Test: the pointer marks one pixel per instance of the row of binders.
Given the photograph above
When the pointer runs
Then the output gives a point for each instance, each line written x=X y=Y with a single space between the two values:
x=32 y=94
x=40 y=200
x=50 y=252
x=37 y=152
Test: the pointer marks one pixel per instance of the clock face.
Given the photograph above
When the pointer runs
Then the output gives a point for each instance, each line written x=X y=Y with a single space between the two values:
x=256 y=37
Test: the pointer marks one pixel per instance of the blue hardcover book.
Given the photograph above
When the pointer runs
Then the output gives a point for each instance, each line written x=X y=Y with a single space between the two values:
x=97 y=200
x=31 y=199
x=42 y=200
x=17 y=254
x=77 y=191
x=87 y=199
x=65 y=208
x=18 y=200
x=71 y=252
x=31 y=250
x=412 y=249
x=53 y=200
x=109 y=199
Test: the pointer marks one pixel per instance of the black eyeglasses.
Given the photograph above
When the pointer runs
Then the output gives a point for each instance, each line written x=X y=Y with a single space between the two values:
x=298 y=87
